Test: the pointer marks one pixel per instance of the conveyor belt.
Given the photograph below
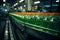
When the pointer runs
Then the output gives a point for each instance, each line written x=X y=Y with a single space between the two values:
x=36 y=27
x=34 y=30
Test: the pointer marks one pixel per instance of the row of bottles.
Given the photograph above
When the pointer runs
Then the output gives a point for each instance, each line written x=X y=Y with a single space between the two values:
x=52 y=22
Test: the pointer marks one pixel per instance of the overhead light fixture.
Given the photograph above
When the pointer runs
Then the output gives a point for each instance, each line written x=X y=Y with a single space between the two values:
x=15 y=4
x=24 y=5
x=36 y=2
x=6 y=10
x=4 y=0
x=4 y=4
x=15 y=9
x=57 y=0
x=21 y=1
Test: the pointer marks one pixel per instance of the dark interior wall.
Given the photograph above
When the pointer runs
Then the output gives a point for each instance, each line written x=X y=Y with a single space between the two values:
x=58 y=10
x=1 y=2
x=11 y=2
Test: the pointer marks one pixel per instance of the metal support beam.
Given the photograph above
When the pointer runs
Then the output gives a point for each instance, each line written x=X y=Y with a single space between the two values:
x=28 y=5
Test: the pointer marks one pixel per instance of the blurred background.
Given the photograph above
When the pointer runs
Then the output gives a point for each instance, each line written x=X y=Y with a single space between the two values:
x=29 y=19
x=30 y=5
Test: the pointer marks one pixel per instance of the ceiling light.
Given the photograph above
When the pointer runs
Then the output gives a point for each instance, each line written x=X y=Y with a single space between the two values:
x=24 y=5
x=15 y=9
x=4 y=4
x=6 y=10
x=36 y=2
x=57 y=0
x=4 y=0
x=15 y=4
x=21 y=1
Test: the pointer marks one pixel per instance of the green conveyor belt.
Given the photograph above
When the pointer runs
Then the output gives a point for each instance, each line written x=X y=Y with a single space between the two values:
x=46 y=26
